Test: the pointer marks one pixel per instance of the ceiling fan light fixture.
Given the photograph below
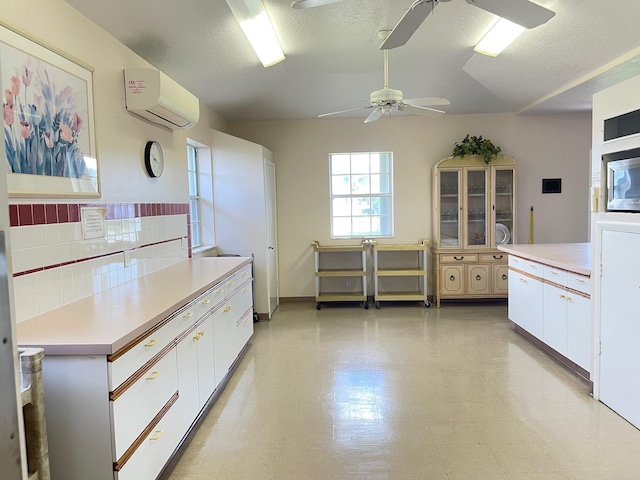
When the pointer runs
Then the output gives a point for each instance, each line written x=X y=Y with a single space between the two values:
x=499 y=37
x=257 y=27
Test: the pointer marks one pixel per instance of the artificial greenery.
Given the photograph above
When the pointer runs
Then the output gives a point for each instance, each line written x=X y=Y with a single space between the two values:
x=476 y=146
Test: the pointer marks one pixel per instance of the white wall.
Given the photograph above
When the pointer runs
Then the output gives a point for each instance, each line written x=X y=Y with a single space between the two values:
x=544 y=146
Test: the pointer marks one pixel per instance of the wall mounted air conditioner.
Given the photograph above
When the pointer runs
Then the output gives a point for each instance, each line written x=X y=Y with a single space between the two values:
x=159 y=99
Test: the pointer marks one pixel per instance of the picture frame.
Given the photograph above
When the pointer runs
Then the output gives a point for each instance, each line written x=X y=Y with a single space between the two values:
x=48 y=119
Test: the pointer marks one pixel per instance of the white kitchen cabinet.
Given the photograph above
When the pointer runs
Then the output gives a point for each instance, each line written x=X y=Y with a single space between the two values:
x=121 y=415
x=474 y=212
x=244 y=197
x=533 y=307
x=579 y=338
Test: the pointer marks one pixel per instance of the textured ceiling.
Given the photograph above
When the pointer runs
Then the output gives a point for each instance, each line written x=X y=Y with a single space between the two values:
x=334 y=62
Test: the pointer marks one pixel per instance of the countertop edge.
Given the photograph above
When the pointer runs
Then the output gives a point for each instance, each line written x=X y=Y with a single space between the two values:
x=573 y=257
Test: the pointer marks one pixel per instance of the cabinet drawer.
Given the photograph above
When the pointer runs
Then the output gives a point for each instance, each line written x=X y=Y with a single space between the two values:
x=184 y=319
x=153 y=453
x=534 y=268
x=140 y=403
x=243 y=299
x=127 y=364
x=516 y=262
x=217 y=294
x=555 y=275
x=204 y=304
x=580 y=283
x=237 y=278
x=461 y=257
x=493 y=257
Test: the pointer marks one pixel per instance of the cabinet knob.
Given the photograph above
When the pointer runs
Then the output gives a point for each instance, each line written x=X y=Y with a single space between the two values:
x=452 y=278
x=227 y=309
x=478 y=277
x=504 y=276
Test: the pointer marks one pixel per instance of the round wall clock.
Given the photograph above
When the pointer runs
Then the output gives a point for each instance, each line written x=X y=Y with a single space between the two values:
x=154 y=159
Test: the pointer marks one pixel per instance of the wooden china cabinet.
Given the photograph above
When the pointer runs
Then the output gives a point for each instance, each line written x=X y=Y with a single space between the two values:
x=474 y=212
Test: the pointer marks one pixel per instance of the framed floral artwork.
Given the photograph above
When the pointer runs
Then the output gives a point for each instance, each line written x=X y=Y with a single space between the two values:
x=48 y=120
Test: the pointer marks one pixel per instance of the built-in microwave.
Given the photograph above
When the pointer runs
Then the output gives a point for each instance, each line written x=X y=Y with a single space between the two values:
x=623 y=184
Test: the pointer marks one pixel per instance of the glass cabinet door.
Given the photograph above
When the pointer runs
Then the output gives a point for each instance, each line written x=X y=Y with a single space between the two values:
x=476 y=199
x=449 y=208
x=504 y=206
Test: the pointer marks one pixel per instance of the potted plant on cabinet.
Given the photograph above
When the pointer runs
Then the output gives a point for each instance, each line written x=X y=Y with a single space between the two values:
x=476 y=146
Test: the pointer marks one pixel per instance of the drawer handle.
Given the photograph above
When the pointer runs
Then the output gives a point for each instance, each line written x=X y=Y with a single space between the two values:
x=153 y=375
x=227 y=309
x=478 y=277
x=532 y=265
x=504 y=276
x=580 y=280
x=456 y=258
x=563 y=297
x=245 y=290
x=188 y=315
x=156 y=435
x=206 y=302
x=243 y=273
x=232 y=282
x=201 y=333
x=498 y=257
x=523 y=280
x=452 y=278
x=151 y=343
x=554 y=273
x=196 y=336
x=220 y=291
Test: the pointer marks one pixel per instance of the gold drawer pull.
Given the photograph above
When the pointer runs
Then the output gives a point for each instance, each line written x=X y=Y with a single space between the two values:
x=201 y=333
x=196 y=337
x=220 y=291
x=227 y=309
x=151 y=343
x=554 y=273
x=245 y=290
x=579 y=280
x=188 y=315
x=153 y=375
x=244 y=273
x=563 y=297
x=156 y=435
x=206 y=302
x=231 y=283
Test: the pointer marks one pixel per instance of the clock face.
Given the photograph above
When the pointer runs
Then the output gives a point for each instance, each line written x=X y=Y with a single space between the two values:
x=154 y=159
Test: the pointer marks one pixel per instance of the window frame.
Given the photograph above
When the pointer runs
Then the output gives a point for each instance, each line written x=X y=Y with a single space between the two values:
x=389 y=195
x=192 y=220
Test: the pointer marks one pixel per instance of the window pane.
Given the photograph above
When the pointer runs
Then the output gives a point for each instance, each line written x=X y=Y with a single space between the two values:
x=359 y=184
x=191 y=158
x=381 y=205
x=380 y=163
x=361 y=226
x=193 y=184
x=340 y=164
x=361 y=206
x=341 y=207
x=195 y=234
x=360 y=163
x=194 y=209
x=380 y=184
x=340 y=185
x=342 y=227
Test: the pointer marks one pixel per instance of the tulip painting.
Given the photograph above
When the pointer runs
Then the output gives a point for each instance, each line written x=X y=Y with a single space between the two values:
x=46 y=117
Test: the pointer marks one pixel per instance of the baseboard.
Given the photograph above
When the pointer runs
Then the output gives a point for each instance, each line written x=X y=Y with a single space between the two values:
x=297 y=299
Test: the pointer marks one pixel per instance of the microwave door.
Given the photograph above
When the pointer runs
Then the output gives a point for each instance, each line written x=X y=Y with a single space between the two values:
x=623 y=182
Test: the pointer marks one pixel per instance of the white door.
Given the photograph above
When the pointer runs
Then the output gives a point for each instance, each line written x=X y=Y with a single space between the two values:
x=272 y=236
x=619 y=326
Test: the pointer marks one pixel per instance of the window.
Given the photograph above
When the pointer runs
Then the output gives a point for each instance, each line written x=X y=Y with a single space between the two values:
x=194 y=195
x=361 y=195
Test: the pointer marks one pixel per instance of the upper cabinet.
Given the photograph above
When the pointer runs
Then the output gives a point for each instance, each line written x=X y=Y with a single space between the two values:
x=474 y=203
x=474 y=212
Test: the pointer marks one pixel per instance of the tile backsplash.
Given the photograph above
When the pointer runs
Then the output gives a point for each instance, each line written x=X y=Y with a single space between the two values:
x=53 y=265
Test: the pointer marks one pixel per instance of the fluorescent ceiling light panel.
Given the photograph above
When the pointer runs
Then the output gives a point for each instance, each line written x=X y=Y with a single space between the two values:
x=499 y=37
x=256 y=25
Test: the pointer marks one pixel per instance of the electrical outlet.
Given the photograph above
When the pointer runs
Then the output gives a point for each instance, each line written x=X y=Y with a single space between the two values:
x=347 y=282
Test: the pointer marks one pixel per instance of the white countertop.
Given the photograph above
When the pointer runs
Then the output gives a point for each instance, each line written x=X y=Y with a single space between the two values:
x=104 y=323
x=573 y=257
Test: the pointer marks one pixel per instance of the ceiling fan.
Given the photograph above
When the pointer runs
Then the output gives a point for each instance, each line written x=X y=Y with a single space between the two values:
x=312 y=3
x=522 y=12
x=386 y=100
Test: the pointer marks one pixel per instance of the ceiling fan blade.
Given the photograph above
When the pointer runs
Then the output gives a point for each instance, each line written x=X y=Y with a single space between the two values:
x=312 y=3
x=426 y=111
x=344 y=111
x=427 y=101
x=408 y=24
x=522 y=12
x=375 y=115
